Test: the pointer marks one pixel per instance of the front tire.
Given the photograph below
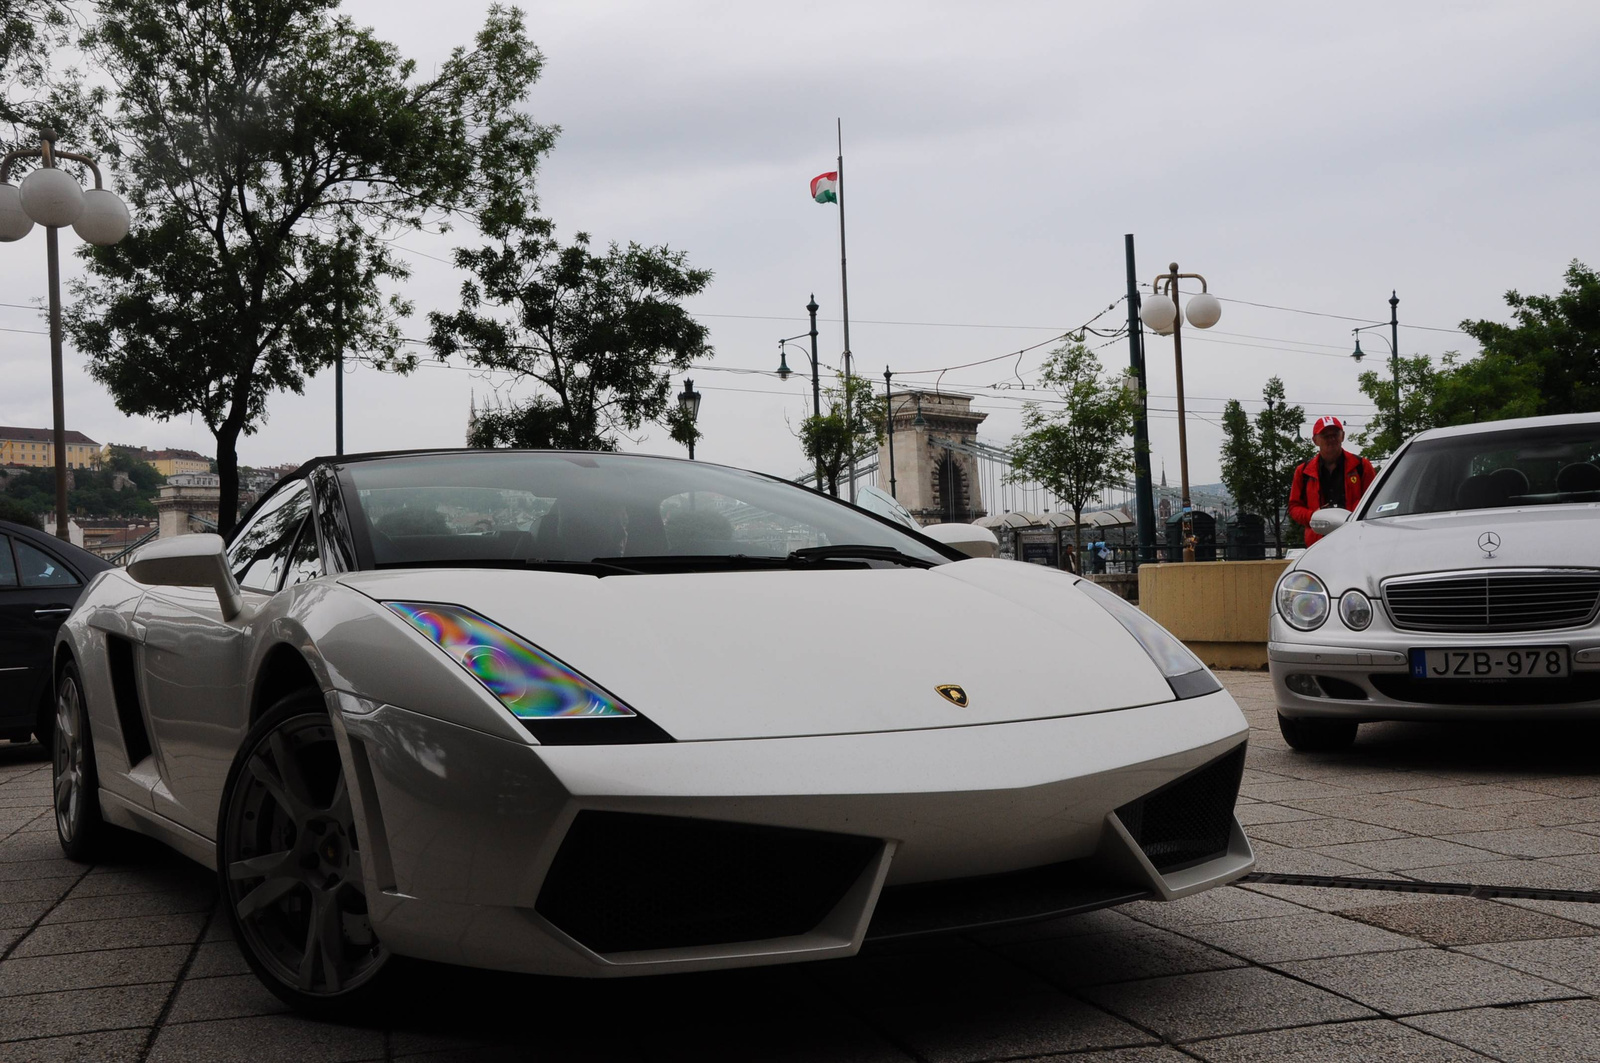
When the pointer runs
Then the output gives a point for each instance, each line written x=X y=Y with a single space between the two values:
x=1311 y=734
x=289 y=865
x=75 y=784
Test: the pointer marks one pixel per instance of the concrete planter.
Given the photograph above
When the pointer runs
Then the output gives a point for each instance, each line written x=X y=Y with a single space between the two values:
x=1218 y=608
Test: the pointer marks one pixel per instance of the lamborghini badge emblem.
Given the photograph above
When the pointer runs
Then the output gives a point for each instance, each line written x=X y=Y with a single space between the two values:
x=953 y=694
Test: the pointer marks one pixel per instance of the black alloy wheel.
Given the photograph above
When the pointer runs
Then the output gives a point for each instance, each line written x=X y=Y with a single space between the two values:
x=289 y=864
x=1312 y=734
x=75 y=785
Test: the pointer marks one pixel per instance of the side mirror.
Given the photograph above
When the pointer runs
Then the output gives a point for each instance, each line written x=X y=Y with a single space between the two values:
x=968 y=538
x=189 y=561
x=1327 y=521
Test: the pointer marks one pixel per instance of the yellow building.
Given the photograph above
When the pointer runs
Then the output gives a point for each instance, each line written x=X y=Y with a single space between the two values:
x=173 y=462
x=165 y=462
x=36 y=447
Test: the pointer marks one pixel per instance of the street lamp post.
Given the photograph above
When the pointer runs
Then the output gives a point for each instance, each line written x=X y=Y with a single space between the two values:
x=784 y=372
x=689 y=403
x=52 y=198
x=1162 y=316
x=1394 y=352
x=888 y=425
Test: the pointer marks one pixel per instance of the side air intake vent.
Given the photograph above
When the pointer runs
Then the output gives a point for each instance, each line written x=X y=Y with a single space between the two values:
x=1188 y=821
x=125 y=690
x=623 y=882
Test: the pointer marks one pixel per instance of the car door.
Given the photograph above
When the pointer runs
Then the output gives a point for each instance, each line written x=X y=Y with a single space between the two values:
x=16 y=669
x=37 y=591
x=195 y=662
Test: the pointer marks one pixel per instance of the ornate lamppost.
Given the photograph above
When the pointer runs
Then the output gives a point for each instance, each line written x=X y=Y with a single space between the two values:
x=1160 y=314
x=1394 y=353
x=52 y=197
x=784 y=372
x=689 y=403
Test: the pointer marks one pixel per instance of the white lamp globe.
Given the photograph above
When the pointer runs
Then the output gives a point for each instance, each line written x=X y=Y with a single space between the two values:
x=14 y=221
x=1204 y=310
x=52 y=197
x=104 y=219
x=1158 y=313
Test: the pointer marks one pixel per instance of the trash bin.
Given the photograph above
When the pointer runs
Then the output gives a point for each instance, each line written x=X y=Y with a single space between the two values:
x=1205 y=537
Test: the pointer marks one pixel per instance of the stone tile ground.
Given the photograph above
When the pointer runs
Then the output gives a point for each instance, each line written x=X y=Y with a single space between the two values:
x=128 y=961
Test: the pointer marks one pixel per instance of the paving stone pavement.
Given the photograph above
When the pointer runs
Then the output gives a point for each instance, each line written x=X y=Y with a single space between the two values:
x=129 y=960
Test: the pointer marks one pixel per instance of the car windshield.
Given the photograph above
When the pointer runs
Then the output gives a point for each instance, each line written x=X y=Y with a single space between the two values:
x=518 y=507
x=1548 y=465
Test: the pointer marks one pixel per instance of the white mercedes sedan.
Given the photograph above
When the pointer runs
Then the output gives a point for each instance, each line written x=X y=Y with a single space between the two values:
x=602 y=714
x=1466 y=584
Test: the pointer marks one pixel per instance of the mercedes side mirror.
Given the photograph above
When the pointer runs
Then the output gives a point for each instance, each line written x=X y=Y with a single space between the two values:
x=968 y=538
x=1327 y=521
x=189 y=561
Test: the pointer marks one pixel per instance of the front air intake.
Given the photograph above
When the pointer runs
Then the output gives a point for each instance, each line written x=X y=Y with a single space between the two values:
x=1190 y=820
x=623 y=882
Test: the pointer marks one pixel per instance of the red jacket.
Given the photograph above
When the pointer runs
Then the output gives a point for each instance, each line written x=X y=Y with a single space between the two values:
x=1305 y=494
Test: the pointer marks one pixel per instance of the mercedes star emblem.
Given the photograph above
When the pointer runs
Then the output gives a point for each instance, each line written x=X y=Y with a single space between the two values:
x=1488 y=542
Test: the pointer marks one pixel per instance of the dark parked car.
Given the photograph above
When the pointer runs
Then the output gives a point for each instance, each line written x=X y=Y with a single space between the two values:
x=40 y=580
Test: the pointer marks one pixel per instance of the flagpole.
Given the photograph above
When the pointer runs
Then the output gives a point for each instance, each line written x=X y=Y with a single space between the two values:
x=844 y=303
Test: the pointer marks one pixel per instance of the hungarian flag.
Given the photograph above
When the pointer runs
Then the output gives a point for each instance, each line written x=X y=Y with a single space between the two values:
x=824 y=187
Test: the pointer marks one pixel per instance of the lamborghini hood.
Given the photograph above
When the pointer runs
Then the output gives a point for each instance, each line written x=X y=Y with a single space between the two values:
x=768 y=654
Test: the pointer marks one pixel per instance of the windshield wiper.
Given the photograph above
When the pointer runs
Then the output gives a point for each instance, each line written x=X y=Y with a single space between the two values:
x=597 y=567
x=698 y=562
x=859 y=551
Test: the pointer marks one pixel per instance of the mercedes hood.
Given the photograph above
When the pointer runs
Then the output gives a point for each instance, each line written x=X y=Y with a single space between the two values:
x=1364 y=553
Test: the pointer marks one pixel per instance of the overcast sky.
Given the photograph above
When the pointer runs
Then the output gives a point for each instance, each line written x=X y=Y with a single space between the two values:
x=1303 y=158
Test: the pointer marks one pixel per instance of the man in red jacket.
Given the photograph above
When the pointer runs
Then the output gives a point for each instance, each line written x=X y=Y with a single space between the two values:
x=1331 y=477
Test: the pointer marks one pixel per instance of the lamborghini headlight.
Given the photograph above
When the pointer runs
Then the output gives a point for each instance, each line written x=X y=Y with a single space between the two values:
x=528 y=681
x=1302 y=601
x=1183 y=671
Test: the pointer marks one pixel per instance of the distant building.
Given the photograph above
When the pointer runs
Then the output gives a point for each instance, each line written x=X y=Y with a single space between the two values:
x=179 y=462
x=35 y=447
x=935 y=481
x=109 y=536
x=166 y=462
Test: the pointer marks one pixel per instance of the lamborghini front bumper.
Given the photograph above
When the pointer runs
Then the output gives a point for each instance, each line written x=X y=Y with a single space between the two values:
x=635 y=859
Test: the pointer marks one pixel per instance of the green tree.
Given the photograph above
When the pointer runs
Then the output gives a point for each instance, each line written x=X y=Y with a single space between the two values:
x=1080 y=448
x=1244 y=472
x=1546 y=361
x=270 y=151
x=1258 y=458
x=1419 y=397
x=833 y=441
x=30 y=31
x=1278 y=435
x=20 y=513
x=600 y=335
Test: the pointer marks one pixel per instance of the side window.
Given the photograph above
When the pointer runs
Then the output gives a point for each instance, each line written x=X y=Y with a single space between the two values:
x=258 y=553
x=304 y=563
x=39 y=569
x=8 y=568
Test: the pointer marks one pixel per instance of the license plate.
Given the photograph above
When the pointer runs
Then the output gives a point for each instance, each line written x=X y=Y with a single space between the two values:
x=1494 y=662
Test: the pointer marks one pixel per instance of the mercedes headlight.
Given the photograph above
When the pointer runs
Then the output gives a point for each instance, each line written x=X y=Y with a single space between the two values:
x=1355 y=609
x=1183 y=671
x=1302 y=601
x=526 y=680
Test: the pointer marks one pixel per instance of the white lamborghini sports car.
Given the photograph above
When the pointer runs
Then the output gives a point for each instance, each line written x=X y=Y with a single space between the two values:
x=597 y=714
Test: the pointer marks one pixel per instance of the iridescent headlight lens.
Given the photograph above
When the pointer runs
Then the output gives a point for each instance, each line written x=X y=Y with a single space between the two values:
x=1355 y=609
x=1302 y=601
x=528 y=681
